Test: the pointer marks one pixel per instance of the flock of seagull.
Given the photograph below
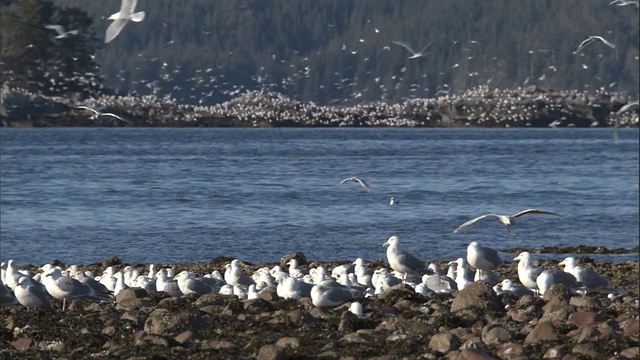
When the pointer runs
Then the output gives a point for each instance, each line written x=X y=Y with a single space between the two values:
x=344 y=283
x=127 y=13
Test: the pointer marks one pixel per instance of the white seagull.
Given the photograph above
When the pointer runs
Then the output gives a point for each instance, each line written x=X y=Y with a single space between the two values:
x=121 y=18
x=61 y=31
x=625 y=2
x=417 y=54
x=591 y=39
x=358 y=180
x=97 y=113
x=508 y=220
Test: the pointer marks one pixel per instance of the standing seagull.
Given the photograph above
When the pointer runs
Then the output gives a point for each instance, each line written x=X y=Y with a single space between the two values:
x=403 y=262
x=358 y=180
x=590 y=39
x=61 y=31
x=482 y=259
x=417 y=54
x=121 y=18
x=31 y=295
x=508 y=220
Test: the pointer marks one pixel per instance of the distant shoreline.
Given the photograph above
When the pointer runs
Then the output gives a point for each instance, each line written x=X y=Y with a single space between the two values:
x=482 y=107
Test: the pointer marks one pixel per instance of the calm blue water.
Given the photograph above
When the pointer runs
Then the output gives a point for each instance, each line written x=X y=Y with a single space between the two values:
x=166 y=195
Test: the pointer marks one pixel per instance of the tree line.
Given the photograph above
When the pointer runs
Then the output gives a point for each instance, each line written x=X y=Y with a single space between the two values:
x=329 y=51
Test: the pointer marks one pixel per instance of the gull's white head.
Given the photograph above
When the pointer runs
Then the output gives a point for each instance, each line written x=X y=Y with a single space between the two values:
x=392 y=241
x=568 y=262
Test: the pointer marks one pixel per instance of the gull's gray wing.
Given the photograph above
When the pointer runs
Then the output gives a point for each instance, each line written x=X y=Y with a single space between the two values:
x=198 y=287
x=337 y=294
x=429 y=45
x=58 y=28
x=533 y=211
x=114 y=29
x=128 y=6
x=74 y=287
x=583 y=44
x=473 y=220
x=406 y=46
x=605 y=41
x=410 y=261
x=490 y=255
x=441 y=283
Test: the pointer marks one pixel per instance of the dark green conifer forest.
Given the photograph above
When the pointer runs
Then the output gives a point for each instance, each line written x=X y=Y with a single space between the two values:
x=325 y=51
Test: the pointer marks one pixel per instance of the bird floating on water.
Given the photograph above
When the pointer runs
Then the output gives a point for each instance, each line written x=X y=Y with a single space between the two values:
x=591 y=39
x=508 y=220
x=358 y=180
x=121 y=18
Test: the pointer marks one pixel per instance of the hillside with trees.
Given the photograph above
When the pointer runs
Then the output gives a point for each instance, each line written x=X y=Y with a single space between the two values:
x=327 y=52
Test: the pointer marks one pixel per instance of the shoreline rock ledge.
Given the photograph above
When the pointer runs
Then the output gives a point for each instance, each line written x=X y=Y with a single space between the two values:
x=530 y=106
x=474 y=323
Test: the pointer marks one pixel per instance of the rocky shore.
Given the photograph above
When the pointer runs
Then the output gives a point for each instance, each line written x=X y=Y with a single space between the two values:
x=474 y=323
x=480 y=107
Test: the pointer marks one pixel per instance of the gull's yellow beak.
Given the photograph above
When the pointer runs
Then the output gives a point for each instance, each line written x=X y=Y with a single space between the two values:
x=386 y=243
x=561 y=263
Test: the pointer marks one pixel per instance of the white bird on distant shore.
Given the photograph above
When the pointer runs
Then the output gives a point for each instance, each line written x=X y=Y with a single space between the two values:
x=62 y=33
x=591 y=39
x=97 y=113
x=508 y=220
x=121 y=18
x=358 y=180
x=417 y=54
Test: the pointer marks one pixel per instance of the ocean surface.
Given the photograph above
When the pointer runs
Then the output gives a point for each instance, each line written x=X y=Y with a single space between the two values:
x=82 y=195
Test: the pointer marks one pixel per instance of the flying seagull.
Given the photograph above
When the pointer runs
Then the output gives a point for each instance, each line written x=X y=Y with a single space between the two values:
x=97 y=113
x=61 y=32
x=591 y=39
x=625 y=2
x=417 y=54
x=508 y=220
x=121 y=18
x=358 y=180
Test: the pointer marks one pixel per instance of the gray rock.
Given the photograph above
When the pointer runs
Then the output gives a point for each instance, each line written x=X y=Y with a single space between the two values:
x=184 y=337
x=583 y=318
x=556 y=352
x=131 y=299
x=288 y=342
x=557 y=294
x=257 y=306
x=557 y=311
x=164 y=323
x=543 y=332
x=629 y=353
x=479 y=296
x=444 y=342
x=494 y=334
x=512 y=351
x=472 y=354
x=271 y=352
x=585 y=350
